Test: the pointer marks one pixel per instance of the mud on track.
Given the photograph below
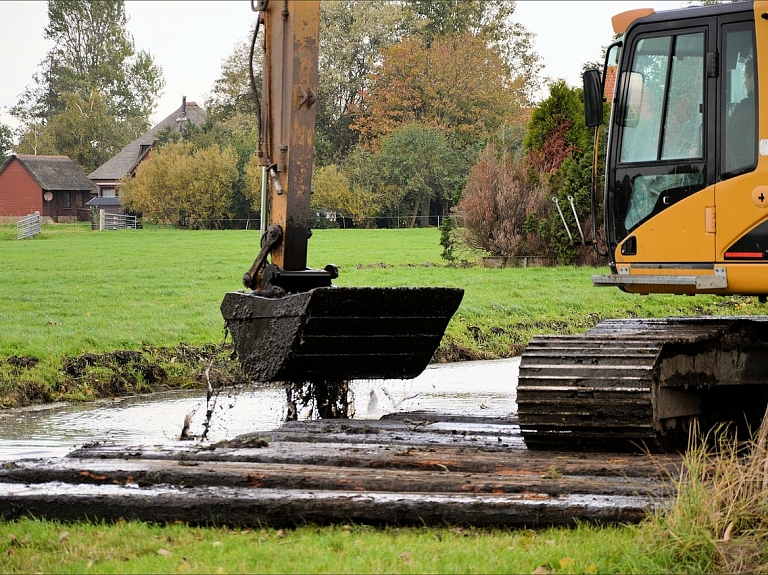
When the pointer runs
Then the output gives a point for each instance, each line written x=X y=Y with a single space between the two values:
x=405 y=469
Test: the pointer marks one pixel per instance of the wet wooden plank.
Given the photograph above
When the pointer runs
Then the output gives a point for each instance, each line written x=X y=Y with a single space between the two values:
x=280 y=508
x=146 y=473
x=461 y=459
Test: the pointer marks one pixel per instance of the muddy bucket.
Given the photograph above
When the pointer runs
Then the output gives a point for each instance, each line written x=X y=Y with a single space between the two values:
x=339 y=333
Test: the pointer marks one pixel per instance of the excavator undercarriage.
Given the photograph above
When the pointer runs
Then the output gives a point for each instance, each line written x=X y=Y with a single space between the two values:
x=641 y=383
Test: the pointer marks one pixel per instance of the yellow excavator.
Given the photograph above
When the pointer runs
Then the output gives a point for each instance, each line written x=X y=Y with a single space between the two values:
x=295 y=326
x=685 y=211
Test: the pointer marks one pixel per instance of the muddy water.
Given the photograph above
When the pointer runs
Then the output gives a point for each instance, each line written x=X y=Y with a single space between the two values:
x=480 y=388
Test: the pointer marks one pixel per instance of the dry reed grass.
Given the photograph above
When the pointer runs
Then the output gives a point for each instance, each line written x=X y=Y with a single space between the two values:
x=718 y=520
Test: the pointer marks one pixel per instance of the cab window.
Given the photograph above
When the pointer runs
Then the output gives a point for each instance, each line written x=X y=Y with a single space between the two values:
x=664 y=111
x=662 y=125
x=738 y=96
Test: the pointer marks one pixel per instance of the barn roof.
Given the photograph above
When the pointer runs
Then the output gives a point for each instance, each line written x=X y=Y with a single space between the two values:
x=55 y=173
x=129 y=157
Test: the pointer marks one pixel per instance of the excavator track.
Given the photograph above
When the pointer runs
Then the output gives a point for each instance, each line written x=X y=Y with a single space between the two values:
x=634 y=384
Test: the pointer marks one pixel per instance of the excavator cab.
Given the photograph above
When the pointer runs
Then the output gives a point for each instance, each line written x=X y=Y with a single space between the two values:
x=684 y=175
x=294 y=325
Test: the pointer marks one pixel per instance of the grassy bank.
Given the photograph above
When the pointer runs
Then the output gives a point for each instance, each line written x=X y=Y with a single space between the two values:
x=72 y=297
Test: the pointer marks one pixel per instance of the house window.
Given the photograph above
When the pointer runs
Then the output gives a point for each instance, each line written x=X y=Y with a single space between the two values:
x=78 y=199
x=108 y=192
x=65 y=200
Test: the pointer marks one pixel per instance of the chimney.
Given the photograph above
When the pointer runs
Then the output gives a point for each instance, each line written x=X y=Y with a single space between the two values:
x=183 y=106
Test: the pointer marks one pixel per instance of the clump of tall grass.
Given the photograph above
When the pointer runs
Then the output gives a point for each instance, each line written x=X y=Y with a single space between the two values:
x=718 y=519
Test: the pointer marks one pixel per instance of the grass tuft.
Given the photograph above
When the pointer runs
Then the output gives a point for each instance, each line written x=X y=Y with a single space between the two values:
x=718 y=520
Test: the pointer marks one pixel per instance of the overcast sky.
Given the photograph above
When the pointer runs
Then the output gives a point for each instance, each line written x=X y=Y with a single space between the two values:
x=190 y=39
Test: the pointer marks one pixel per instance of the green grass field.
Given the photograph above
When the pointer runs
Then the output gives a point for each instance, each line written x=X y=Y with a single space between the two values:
x=28 y=546
x=73 y=291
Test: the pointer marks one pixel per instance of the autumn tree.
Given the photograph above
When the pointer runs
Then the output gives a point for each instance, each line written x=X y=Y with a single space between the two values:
x=457 y=84
x=183 y=185
x=352 y=37
x=419 y=165
x=92 y=53
x=559 y=146
x=557 y=128
x=330 y=188
x=84 y=130
x=450 y=17
x=238 y=131
x=490 y=20
x=232 y=93
x=332 y=191
x=372 y=195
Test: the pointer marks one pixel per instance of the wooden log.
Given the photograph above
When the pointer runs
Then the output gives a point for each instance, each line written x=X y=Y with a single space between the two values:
x=284 y=508
x=148 y=473
x=460 y=458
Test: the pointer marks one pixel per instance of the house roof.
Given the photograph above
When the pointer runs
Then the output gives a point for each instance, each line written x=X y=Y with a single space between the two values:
x=54 y=173
x=129 y=157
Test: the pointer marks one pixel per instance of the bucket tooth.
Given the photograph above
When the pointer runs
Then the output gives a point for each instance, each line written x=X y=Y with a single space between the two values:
x=339 y=333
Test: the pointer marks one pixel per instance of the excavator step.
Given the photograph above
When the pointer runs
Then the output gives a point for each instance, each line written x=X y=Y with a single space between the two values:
x=624 y=384
x=339 y=333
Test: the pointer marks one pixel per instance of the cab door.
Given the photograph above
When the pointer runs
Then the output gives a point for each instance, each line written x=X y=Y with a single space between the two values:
x=661 y=190
x=742 y=234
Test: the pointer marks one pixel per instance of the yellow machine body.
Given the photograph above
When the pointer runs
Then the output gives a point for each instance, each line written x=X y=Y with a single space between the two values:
x=712 y=237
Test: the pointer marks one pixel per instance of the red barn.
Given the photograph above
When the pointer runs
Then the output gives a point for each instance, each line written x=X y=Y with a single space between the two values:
x=55 y=186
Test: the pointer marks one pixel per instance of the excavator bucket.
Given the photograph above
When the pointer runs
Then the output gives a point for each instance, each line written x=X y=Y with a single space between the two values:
x=339 y=333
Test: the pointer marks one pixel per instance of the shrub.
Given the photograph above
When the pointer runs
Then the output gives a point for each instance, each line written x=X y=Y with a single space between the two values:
x=504 y=208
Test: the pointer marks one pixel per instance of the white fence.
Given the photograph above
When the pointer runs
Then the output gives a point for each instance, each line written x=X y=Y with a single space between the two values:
x=118 y=222
x=28 y=227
